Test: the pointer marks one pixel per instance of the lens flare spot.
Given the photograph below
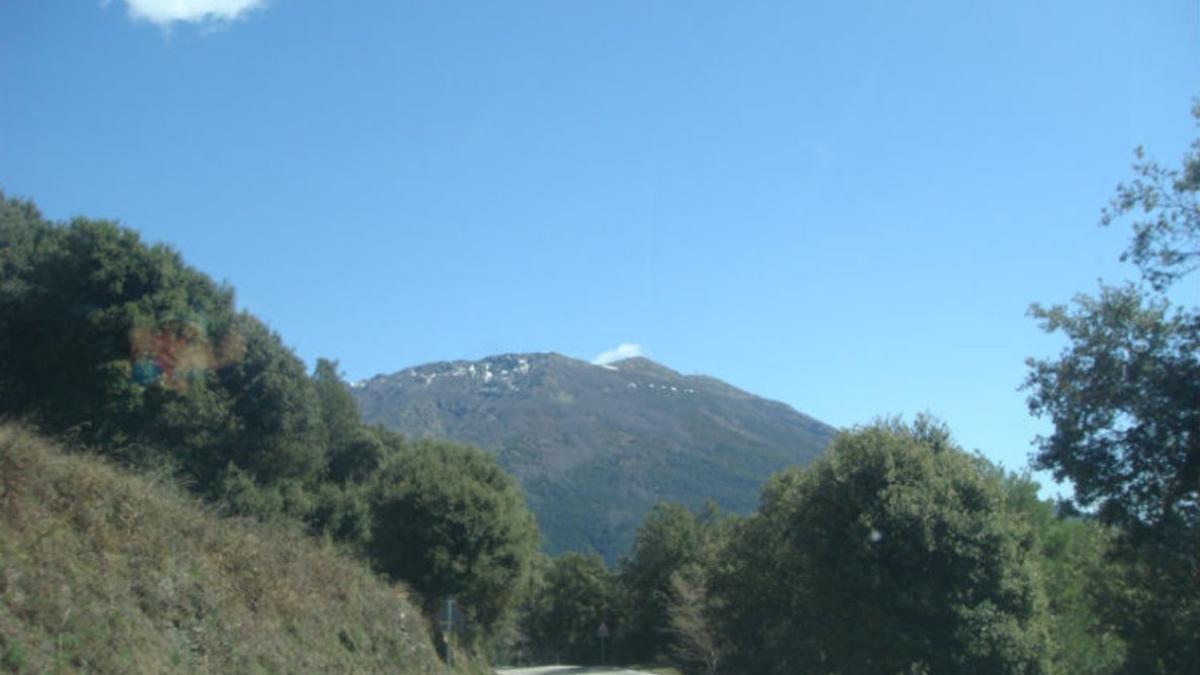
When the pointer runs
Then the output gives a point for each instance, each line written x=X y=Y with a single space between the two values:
x=175 y=353
x=145 y=372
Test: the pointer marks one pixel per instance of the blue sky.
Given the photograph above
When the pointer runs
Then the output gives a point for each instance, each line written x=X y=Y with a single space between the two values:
x=844 y=206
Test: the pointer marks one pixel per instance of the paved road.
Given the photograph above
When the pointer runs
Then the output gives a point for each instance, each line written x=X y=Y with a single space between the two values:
x=569 y=670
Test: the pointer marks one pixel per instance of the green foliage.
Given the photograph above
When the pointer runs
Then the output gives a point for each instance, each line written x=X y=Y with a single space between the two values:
x=1072 y=556
x=1152 y=601
x=670 y=539
x=122 y=346
x=276 y=406
x=1124 y=399
x=449 y=521
x=1166 y=225
x=761 y=590
x=339 y=413
x=892 y=554
x=696 y=644
x=342 y=512
x=130 y=350
x=575 y=594
x=104 y=571
x=354 y=451
x=1076 y=570
x=74 y=302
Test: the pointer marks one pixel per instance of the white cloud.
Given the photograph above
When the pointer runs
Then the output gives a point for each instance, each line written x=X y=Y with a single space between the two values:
x=166 y=12
x=625 y=351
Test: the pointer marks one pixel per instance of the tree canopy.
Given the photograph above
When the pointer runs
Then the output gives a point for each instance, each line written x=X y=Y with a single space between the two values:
x=1124 y=398
x=1162 y=203
x=449 y=521
x=894 y=553
x=132 y=351
x=1124 y=401
x=575 y=594
x=670 y=539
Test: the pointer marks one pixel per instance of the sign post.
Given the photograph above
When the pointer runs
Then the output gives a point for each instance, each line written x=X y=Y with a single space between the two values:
x=602 y=633
x=446 y=620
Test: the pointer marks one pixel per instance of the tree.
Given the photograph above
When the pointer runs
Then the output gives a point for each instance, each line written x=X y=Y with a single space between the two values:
x=893 y=553
x=1124 y=396
x=1071 y=552
x=576 y=594
x=447 y=520
x=125 y=347
x=669 y=539
x=1166 y=236
x=91 y=319
x=339 y=412
x=354 y=450
x=760 y=588
x=1124 y=400
x=695 y=643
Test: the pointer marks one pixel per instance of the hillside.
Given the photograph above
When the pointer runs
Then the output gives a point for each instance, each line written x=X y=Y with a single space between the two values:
x=105 y=571
x=596 y=446
x=120 y=346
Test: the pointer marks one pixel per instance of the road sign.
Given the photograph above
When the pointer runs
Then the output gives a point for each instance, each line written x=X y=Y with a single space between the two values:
x=449 y=616
x=602 y=633
x=449 y=621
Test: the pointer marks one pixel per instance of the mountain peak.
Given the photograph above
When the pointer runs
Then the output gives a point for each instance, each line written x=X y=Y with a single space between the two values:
x=644 y=366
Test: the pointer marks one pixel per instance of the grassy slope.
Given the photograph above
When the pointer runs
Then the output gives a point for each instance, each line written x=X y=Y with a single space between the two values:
x=102 y=571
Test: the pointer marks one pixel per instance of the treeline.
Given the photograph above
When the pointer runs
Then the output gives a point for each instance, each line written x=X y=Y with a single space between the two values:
x=896 y=552
x=121 y=348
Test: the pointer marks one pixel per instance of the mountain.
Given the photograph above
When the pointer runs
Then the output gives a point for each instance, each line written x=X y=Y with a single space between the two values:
x=595 y=446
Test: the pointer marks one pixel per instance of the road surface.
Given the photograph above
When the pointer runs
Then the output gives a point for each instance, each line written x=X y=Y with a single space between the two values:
x=569 y=670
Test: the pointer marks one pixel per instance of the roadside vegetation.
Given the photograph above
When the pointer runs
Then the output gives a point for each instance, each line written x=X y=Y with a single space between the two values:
x=105 y=571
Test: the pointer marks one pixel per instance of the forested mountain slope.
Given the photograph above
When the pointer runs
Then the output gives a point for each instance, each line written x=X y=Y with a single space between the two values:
x=595 y=446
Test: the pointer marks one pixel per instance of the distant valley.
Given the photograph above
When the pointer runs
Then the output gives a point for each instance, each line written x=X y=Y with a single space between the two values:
x=595 y=446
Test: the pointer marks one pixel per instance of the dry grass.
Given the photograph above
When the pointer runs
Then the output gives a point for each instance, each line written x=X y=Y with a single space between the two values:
x=102 y=571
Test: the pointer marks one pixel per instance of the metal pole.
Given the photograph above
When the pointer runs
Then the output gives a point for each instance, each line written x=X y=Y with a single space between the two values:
x=449 y=634
x=602 y=634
